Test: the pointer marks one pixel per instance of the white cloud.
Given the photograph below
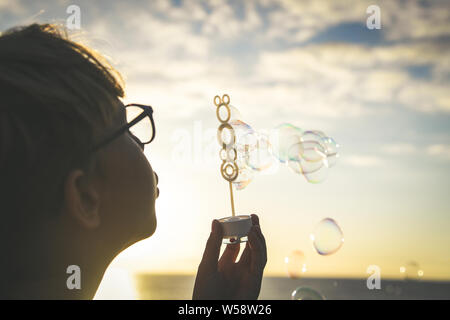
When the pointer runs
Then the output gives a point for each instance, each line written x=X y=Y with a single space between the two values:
x=163 y=49
x=362 y=160
x=440 y=151
x=342 y=75
x=223 y=22
x=400 y=20
x=399 y=149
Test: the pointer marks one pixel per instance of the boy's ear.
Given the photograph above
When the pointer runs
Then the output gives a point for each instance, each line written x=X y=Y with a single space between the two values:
x=81 y=199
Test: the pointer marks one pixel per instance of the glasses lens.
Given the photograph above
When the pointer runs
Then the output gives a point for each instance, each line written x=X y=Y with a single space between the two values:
x=143 y=129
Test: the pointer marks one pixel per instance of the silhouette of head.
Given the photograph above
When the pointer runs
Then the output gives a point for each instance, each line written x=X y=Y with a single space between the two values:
x=58 y=99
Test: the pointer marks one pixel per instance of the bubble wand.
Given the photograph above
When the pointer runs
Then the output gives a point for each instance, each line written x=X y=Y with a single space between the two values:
x=235 y=228
x=309 y=153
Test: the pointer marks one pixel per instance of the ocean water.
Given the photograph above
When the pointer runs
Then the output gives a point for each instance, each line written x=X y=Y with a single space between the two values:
x=173 y=287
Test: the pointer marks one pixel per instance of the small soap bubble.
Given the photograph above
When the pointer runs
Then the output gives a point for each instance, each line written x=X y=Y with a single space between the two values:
x=306 y=157
x=331 y=149
x=310 y=160
x=260 y=158
x=393 y=290
x=245 y=175
x=235 y=114
x=295 y=264
x=312 y=135
x=312 y=151
x=241 y=130
x=305 y=293
x=282 y=138
x=327 y=237
x=317 y=176
x=246 y=144
x=230 y=113
x=411 y=271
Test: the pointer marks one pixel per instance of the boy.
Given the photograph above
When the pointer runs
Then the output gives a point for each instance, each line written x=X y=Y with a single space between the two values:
x=76 y=188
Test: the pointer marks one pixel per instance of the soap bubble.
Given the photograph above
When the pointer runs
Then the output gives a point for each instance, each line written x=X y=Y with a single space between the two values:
x=244 y=139
x=245 y=175
x=282 y=138
x=323 y=144
x=305 y=293
x=411 y=271
x=309 y=153
x=327 y=237
x=254 y=153
x=260 y=158
x=331 y=149
x=243 y=132
x=309 y=158
x=232 y=114
x=246 y=142
x=295 y=264
x=392 y=290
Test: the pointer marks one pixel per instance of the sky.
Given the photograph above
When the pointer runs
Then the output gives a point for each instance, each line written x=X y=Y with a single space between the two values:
x=382 y=94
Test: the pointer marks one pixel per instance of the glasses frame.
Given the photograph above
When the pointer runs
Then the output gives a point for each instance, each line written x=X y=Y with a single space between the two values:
x=147 y=111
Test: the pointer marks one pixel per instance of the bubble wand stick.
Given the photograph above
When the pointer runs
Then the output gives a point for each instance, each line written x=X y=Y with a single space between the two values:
x=232 y=200
x=235 y=228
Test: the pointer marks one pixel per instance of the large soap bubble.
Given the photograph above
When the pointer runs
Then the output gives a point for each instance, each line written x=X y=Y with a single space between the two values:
x=282 y=138
x=327 y=237
x=309 y=153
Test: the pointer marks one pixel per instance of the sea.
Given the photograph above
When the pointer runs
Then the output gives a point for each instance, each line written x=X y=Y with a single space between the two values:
x=179 y=287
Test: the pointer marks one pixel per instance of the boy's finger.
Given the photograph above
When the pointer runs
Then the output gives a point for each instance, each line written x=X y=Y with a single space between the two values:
x=230 y=254
x=245 y=257
x=212 y=250
x=258 y=257
x=255 y=219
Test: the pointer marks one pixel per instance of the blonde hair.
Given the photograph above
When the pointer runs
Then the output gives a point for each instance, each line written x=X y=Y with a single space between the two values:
x=56 y=98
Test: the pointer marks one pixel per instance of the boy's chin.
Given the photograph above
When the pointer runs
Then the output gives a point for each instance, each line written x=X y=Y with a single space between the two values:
x=148 y=227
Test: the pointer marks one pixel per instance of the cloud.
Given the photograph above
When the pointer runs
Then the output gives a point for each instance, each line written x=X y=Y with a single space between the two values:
x=434 y=151
x=223 y=22
x=201 y=48
x=400 y=20
x=340 y=75
x=362 y=160
x=399 y=149
x=441 y=151
x=416 y=19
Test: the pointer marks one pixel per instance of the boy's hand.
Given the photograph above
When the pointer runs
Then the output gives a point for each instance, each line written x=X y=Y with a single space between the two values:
x=226 y=279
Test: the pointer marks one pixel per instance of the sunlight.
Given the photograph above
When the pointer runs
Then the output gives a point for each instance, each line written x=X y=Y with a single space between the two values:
x=117 y=283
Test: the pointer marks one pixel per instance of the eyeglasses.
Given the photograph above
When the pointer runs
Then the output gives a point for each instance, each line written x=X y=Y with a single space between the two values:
x=139 y=124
